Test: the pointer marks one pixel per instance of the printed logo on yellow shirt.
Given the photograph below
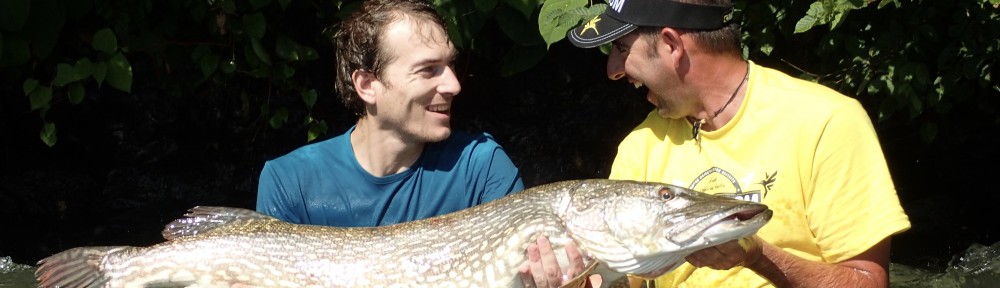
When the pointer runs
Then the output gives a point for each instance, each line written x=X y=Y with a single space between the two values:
x=720 y=182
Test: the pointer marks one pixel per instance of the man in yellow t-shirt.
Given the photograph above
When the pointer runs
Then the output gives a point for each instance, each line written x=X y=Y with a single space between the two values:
x=726 y=126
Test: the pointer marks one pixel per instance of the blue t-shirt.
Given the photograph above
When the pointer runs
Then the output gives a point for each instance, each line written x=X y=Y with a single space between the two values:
x=323 y=183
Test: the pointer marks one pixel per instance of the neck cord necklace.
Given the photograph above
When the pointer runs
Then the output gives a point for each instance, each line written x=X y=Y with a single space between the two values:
x=697 y=124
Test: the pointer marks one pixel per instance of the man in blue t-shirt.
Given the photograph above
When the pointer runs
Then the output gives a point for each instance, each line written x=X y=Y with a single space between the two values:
x=401 y=161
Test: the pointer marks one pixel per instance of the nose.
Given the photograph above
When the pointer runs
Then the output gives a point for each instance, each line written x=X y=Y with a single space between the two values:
x=449 y=85
x=616 y=65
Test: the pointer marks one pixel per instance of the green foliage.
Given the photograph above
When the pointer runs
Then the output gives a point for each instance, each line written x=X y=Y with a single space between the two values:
x=921 y=58
x=904 y=59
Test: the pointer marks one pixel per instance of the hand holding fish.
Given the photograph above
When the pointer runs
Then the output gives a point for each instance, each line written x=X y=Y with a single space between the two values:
x=740 y=252
x=543 y=269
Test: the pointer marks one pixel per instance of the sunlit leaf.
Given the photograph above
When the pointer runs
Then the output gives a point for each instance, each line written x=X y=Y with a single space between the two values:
x=316 y=129
x=554 y=21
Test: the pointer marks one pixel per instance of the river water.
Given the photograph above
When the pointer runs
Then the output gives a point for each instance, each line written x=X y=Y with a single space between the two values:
x=976 y=267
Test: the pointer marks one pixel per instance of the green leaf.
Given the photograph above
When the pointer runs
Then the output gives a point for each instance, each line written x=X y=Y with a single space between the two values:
x=83 y=68
x=227 y=66
x=309 y=97
x=279 y=118
x=76 y=93
x=287 y=48
x=554 y=21
x=284 y=3
x=259 y=50
x=521 y=58
x=208 y=64
x=13 y=14
x=316 y=129
x=527 y=7
x=105 y=41
x=518 y=28
x=255 y=25
x=40 y=97
x=48 y=134
x=285 y=71
x=29 y=85
x=64 y=75
x=100 y=71
x=120 y=73
x=812 y=18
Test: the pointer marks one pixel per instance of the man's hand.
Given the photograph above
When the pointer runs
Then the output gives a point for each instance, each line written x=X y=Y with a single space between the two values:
x=727 y=255
x=543 y=267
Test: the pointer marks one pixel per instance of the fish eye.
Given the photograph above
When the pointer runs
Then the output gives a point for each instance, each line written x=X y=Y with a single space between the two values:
x=666 y=194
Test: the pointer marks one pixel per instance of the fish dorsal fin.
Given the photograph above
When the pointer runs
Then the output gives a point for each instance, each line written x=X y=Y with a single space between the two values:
x=201 y=219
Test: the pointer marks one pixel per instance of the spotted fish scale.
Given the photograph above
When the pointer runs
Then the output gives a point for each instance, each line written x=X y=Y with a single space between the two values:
x=622 y=227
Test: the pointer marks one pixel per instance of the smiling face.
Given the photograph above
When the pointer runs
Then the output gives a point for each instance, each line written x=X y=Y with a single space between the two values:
x=414 y=93
x=648 y=64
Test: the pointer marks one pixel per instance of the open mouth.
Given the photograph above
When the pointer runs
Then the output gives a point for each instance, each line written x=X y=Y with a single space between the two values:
x=443 y=109
x=741 y=222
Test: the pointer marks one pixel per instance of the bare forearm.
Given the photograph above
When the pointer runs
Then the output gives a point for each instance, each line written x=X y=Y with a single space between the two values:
x=787 y=270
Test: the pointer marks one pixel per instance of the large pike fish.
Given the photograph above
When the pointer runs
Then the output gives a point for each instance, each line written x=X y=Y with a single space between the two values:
x=638 y=228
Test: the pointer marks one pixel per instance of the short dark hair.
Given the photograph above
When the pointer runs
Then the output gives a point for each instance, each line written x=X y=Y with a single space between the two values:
x=724 y=40
x=359 y=42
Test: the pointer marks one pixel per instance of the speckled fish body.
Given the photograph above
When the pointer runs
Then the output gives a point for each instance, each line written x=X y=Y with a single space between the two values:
x=628 y=227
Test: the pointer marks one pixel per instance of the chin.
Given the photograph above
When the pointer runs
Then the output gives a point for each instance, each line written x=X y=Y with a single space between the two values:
x=439 y=134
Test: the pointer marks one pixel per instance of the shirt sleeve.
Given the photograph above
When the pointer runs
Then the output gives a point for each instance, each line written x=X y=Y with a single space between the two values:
x=502 y=176
x=273 y=196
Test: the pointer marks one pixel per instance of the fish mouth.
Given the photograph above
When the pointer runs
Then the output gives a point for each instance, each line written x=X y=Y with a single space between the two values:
x=738 y=222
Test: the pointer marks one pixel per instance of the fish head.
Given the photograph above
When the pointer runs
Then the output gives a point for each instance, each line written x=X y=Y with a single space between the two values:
x=647 y=229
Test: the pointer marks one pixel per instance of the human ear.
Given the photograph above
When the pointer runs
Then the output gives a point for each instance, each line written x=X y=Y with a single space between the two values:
x=364 y=84
x=672 y=41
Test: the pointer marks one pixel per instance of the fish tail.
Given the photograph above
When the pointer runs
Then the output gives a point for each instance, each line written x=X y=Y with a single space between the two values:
x=77 y=267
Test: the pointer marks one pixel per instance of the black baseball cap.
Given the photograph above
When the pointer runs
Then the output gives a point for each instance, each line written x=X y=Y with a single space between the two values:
x=623 y=16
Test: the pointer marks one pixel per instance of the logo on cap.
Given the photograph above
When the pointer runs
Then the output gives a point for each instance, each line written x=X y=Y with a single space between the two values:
x=617 y=5
x=591 y=25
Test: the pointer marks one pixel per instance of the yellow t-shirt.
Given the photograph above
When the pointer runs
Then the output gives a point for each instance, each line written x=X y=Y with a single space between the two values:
x=808 y=152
